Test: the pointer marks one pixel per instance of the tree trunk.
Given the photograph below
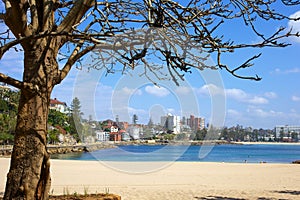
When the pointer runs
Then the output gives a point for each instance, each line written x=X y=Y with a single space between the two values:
x=29 y=174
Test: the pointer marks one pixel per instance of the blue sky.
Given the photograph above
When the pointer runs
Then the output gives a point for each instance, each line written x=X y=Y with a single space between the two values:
x=217 y=96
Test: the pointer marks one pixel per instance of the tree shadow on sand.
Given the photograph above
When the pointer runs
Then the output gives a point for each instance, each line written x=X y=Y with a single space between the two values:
x=292 y=192
x=227 y=198
x=218 y=198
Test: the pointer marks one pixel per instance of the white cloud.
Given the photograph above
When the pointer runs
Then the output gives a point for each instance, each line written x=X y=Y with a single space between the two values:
x=233 y=113
x=171 y=111
x=237 y=94
x=234 y=93
x=242 y=96
x=258 y=100
x=211 y=89
x=271 y=95
x=183 y=90
x=129 y=91
x=277 y=70
x=295 y=25
x=136 y=111
x=295 y=98
x=261 y=113
x=259 y=117
x=12 y=64
x=157 y=91
x=295 y=70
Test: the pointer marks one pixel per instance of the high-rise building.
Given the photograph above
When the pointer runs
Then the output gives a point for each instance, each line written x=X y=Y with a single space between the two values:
x=192 y=121
x=196 y=123
x=171 y=123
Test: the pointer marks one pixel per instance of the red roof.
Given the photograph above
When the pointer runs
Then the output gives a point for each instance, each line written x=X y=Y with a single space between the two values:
x=63 y=131
x=55 y=101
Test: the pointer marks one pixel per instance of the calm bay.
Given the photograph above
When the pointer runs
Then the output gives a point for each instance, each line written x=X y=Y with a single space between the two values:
x=254 y=153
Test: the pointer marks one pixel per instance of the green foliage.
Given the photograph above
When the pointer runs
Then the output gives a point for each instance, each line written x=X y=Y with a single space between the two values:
x=6 y=137
x=75 y=108
x=181 y=136
x=169 y=136
x=8 y=113
x=199 y=135
x=148 y=134
x=53 y=136
x=294 y=137
x=76 y=126
x=57 y=118
x=3 y=106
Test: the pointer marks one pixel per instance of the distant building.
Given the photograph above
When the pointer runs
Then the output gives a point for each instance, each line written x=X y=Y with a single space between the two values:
x=171 y=123
x=59 y=106
x=123 y=125
x=199 y=124
x=102 y=136
x=125 y=135
x=109 y=123
x=196 y=123
x=114 y=134
x=135 y=131
x=287 y=132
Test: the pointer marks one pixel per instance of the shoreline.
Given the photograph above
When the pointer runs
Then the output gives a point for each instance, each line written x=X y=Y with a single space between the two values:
x=268 y=143
x=176 y=180
x=6 y=150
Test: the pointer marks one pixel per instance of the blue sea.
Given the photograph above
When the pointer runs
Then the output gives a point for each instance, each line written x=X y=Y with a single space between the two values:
x=255 y=153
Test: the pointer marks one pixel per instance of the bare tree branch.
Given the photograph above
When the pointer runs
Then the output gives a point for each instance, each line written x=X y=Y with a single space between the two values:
x=166 y=38
x=76 y=55
x=111 y=25
x=16 y=83
x=75 y=14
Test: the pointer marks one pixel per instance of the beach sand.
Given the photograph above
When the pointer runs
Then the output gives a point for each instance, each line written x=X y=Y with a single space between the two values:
x=174 y=181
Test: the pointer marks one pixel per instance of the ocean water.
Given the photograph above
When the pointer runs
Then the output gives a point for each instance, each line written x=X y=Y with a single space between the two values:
x=255 y=153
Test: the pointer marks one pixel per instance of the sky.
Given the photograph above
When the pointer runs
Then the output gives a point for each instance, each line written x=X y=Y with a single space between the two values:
x=215 y=95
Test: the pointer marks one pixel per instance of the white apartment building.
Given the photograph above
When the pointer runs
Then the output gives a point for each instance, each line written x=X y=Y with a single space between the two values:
x=171 y=122
x=286 y=130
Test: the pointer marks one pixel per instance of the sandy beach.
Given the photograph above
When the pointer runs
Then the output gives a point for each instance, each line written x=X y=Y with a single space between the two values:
x=180 y=180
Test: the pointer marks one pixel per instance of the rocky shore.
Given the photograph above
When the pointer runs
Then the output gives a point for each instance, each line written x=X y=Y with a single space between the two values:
x=79 y=148
x=5 y=151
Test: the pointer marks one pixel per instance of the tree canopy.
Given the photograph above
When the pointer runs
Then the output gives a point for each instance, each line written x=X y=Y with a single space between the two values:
x=126 y=32
x=166 y=38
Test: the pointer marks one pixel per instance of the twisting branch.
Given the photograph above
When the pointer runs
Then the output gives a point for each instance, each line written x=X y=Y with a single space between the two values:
x=16 y=83
x=178 y=35
x=76 y=55
x=246 y=64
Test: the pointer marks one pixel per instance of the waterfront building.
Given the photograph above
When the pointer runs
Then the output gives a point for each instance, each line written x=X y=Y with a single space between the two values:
x=125 y=135
x=196 y=123
x=288 y=132
x=59 y=106
x=102 y=136
x=114 y=134
x=135 y=130
x=171 y=123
